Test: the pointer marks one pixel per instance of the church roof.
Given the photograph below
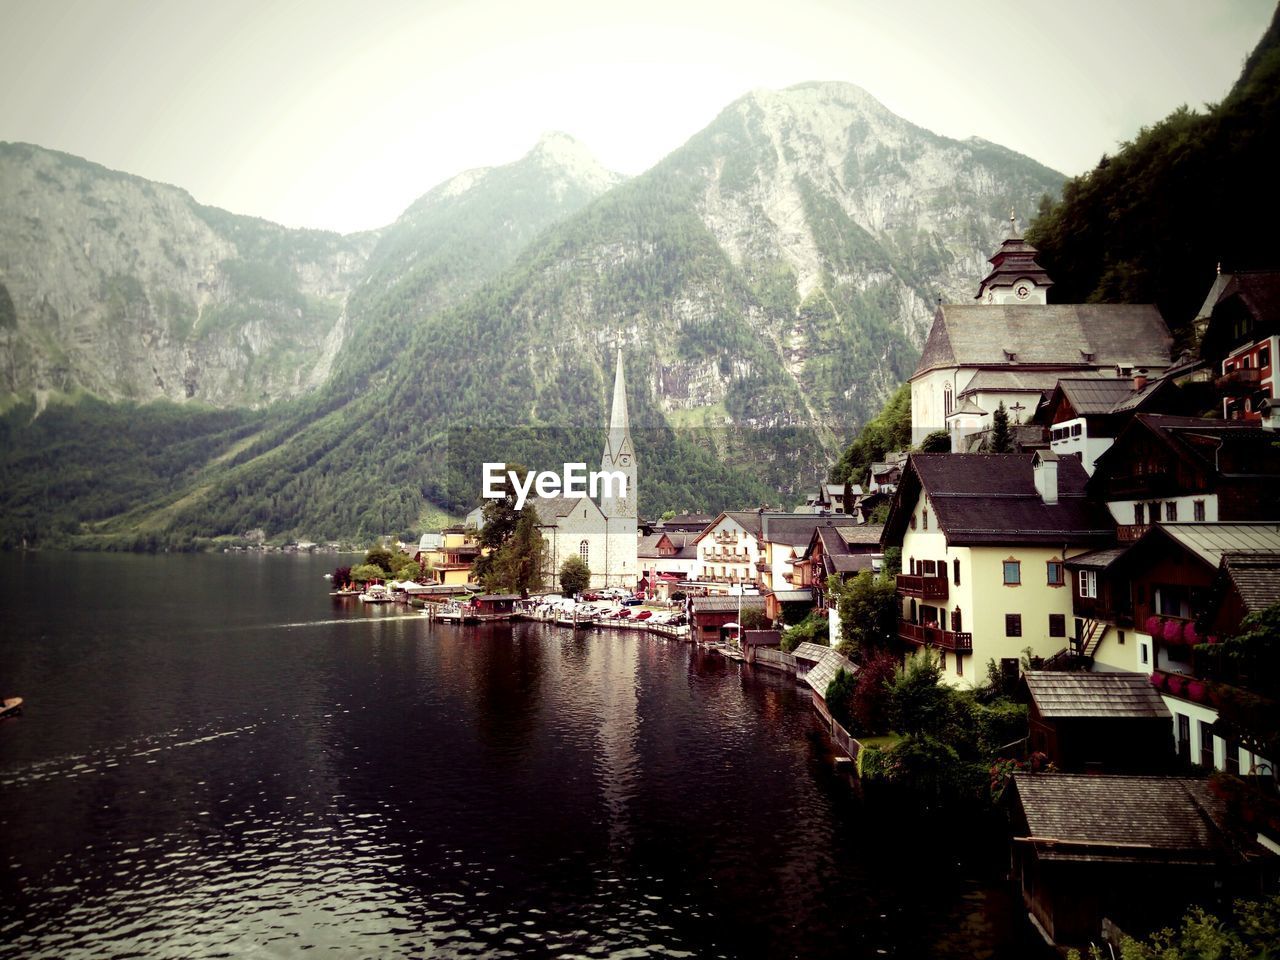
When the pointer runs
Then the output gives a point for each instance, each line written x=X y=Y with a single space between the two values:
x=1062 y=336
x=553 y=509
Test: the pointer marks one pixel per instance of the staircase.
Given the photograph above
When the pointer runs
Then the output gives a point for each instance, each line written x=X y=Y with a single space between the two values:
x=1091 y=639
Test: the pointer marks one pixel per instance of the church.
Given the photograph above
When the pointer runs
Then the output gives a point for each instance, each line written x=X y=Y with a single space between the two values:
x=603 y=534
x=1012 y=346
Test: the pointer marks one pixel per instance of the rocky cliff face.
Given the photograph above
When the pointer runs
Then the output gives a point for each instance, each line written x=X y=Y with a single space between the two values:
x=132 y=290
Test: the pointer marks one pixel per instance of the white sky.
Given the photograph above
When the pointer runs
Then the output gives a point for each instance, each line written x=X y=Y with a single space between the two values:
x=339 y=113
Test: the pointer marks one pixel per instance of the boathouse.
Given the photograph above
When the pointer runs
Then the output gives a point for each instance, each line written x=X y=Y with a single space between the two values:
x=1098 y=721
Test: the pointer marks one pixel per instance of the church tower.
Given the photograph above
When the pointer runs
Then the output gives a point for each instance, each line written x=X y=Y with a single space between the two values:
x=621 y=563
x=1015 y=276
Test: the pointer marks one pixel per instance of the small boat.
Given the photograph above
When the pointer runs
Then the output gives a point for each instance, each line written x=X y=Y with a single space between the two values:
x=450 y=613
x=376 y=593
x=11 y=707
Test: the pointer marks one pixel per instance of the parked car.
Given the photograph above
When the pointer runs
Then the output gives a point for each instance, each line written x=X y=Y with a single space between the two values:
x=632 y=602
x=644 y=614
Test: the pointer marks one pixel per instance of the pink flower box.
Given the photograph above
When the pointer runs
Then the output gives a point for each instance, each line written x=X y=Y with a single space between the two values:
x=1173 y=631
x=1152 y=626
x=1190 y=634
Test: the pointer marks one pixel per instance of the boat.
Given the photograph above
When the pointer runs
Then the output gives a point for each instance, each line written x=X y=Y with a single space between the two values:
x=449 y=612
x=11 y=707
x=376 y=593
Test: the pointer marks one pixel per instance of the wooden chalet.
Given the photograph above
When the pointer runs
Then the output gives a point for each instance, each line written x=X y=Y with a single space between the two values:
x=1166 y=469
x=1135 y=850
x=1098 y=721
x=710 y=614
x=492 y=606
x=1239 y=332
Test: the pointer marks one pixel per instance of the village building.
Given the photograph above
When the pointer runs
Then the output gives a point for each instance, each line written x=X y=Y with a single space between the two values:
x=446 y=557
x=1167 y=469
x=984 y=539
x=1013 y=346
x=1135 y=850
x=833 y=498
x=1083 y=415
x=1090 y=722
x=1146 y=606
x=667 y=560
x=1239 y=331
x=684 y=523
x=710 y=617
x=838 y=553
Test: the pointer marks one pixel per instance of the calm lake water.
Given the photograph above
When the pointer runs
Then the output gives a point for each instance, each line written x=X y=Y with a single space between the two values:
x=218 y=759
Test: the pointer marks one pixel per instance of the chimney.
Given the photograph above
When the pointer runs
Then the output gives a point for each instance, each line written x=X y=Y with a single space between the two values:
x=1044 y=471
x=1139 y=380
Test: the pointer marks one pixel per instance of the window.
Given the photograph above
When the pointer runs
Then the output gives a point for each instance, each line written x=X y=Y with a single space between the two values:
x=1077 y=429
x=1171 y=512
x=1144 y=653
x=1153 y=511
x=955 y=620
x=1120 y=637
x=913 y=566
x=924 y=518
x=1139 y=515
x=1057 y=624
x=948 y=400
x=1264 y=357
x=1055 y=573
x=1197 y=511
x=1184 y=735
x=942 y=660
x=959 y=665
x=1206 y=744
x=1012 y=573
x=955 y=567
x=584 y=551
x=1013 y=624
x=1089 y=583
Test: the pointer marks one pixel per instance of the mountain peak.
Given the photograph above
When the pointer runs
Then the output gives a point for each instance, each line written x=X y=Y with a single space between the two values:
x=562 y=152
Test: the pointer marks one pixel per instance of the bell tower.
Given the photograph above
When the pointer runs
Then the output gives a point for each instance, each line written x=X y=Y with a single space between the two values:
x=1015 y=276
x=621 y=561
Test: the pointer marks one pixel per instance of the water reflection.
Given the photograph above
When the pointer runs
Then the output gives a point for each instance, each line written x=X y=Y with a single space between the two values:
x=198 y=778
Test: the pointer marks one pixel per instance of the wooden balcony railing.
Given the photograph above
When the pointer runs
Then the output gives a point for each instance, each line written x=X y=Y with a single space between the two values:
x=1239 y=383
x=935 y=637
x=922 y=588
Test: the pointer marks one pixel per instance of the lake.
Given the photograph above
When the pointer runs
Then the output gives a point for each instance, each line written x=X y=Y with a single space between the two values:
x=219 y=760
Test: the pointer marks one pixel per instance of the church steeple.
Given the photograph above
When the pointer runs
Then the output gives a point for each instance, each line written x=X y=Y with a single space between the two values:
x=1015 y=276
x=619 y=452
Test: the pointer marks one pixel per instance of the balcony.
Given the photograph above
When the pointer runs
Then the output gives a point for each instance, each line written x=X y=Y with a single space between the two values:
x=1129 y=532
x=923 y=635
x=922 y=588
x=1239 y=383
x=1155 y=484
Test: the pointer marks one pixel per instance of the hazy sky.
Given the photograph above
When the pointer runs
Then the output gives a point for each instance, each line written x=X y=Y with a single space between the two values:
x=337 y=114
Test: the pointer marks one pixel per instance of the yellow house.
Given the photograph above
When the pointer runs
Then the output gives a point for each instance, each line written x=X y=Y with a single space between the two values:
x=448 y=555
x=984 y=539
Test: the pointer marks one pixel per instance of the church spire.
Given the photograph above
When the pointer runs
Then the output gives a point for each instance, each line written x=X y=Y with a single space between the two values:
x=619 y=452
x=619 y=426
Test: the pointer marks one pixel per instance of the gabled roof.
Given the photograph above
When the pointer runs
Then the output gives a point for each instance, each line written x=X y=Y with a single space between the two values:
x=987 y=499
x=1221 y=448
x=1092 y=396
x=813 y=652
x=1012 y=381
x=1253 y=294
x=848 y=563
x=723 y=604
x=553 y=509
x=1121 y=819
x=1212 y=541
x=1065 y=336
x=1097 y=559
x=1256 y=579
x=824 y=671
x=1059 y=695
x=797 y=529
x=682 y=543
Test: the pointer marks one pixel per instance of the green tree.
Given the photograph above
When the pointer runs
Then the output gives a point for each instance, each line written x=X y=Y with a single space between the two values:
x=499 y=524
x=754 y=620
x=380 y=557
x=1000 y=439
x=839 y=696
x=919 y=702
x=868 y=606
x=365 y=572
x=517 y=564
x=575 y=576
x=939 y=441
x=1252 y=933
x=404 y=567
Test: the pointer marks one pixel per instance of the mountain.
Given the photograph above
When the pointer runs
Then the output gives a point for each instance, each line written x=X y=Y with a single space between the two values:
x=131 y=290
x=771 y=281
x=1152 y=223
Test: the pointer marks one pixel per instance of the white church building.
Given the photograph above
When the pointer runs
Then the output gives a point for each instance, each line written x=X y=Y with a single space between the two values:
x=1012 y=346
x=603 y=534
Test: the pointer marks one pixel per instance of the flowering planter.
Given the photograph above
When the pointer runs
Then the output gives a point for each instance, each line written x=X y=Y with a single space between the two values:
x=1190 y=635
x=1152 y=626
x=1196 y=691
x=1157 y=680
x=1172 y=632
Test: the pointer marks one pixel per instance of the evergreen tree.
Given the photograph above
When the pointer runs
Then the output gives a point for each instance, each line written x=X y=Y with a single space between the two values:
x=517 y=565
x=575 y=576
x=1000 y=440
